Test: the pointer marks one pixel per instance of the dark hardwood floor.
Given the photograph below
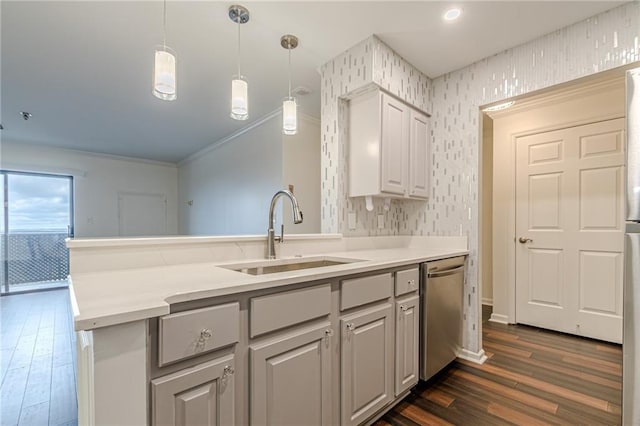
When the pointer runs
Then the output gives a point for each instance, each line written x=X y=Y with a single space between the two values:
x=37 y=360
x=532 y=377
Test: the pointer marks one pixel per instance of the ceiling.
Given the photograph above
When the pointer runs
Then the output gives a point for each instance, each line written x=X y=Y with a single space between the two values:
x=84 y=69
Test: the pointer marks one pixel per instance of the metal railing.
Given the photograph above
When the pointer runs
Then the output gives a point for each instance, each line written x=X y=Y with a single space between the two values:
x=35 y=257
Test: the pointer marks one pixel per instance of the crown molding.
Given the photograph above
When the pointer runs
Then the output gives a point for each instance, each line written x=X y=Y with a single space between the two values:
x=259 y=122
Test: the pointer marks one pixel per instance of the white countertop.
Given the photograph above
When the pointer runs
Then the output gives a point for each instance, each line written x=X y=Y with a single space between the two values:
x=114 y=297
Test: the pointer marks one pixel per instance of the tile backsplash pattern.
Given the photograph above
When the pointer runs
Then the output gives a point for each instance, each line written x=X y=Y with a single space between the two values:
x=603 y=42
x=597 y=44
x=360 y=68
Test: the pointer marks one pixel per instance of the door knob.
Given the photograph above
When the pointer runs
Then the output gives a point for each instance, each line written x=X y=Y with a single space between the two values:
x=524 y=240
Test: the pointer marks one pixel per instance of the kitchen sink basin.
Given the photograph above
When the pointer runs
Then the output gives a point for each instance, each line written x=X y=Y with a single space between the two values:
x=287 y=265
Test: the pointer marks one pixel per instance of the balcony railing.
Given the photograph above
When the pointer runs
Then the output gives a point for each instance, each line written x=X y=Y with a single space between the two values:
x=35 y=257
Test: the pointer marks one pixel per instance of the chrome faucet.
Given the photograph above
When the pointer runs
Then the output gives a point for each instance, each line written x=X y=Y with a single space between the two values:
x=297 y=218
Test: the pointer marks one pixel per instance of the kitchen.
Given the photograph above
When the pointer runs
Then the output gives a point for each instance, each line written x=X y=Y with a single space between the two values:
x=453 y=101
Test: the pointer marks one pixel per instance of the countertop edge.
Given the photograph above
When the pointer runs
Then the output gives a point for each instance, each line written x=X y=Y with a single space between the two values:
x=92 y=322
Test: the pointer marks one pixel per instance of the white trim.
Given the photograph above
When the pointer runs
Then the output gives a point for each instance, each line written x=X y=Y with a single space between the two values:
x=478 y=357
x=217 y=144
x=259 y=122
x=499 y=318
x=155 y=241
x=307 y=117
x=62 y=171
x=89 y=153
x=487 y=301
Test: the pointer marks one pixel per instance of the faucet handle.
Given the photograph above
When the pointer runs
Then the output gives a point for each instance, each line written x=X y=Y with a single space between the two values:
x=280 y=238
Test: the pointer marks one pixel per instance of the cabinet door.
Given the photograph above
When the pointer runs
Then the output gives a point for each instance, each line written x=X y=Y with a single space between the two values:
x=291 y=379
x=419 y=156
x=367 y=363
x=201 y=395
x=395 y=141
x=407 y=338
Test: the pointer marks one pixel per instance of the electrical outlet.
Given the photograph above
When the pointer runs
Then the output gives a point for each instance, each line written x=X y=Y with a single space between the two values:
x=380 y=221
x=351 y=221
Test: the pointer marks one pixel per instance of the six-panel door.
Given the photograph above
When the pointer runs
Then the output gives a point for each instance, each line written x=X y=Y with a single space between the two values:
x=201 y=395
x=366 y=363
x=407 y=340
x=291 y=378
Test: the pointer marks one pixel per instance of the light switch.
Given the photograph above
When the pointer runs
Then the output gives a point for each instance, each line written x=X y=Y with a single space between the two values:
x=380 y=221
x=351 y=221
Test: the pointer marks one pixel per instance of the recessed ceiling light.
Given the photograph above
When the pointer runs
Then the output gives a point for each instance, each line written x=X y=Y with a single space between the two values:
x=452 y=14
x=499 y=107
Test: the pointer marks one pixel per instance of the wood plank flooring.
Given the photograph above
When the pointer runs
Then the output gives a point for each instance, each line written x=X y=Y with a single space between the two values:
x=37 y=360
x=532 y=377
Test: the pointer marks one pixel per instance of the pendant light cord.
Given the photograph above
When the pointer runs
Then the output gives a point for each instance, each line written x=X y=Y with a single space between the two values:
x=239 y=18
x=164 y=24
x=289 y=68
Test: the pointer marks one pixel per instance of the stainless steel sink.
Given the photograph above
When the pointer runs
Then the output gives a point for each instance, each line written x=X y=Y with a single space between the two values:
x=287 y=265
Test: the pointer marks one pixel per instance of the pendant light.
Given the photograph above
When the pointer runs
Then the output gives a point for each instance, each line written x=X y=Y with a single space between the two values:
x=289 y=105
x=239 y=86
x=164 y=70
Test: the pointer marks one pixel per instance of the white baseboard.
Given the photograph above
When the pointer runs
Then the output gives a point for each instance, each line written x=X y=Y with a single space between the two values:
x=487 y=301
x=499 y=318
x=477 y=357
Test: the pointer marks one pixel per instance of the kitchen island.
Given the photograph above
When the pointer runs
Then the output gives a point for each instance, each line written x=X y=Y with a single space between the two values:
x=188 y=329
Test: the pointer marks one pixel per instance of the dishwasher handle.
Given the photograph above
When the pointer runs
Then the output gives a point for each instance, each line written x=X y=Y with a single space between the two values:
x=446 y=272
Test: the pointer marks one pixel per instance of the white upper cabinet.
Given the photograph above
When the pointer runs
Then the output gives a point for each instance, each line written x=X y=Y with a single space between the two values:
x=388 y=148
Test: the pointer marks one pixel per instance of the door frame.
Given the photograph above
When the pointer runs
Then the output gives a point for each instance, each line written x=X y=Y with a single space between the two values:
x=4 y=273
x=504 y=210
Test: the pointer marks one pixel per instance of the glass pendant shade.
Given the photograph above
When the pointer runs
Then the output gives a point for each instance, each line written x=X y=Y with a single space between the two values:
x=289 y=116
x=164 y=74
x=239 y=98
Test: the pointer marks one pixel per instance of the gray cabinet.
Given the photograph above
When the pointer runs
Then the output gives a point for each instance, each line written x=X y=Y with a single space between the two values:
x=291 y=378
x=407 y=341
x=366 y=363
x=202 y=395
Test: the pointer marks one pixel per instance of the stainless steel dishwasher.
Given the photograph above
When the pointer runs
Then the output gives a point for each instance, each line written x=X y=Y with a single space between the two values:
x=441 y=298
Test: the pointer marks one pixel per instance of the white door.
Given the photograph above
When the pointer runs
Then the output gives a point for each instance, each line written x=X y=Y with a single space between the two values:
x=395 y=141
x=569 y=229
x=142 y=214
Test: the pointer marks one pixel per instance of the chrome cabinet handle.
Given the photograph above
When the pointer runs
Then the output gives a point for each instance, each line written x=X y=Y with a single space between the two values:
x=328 y=332
x=524 y=240
x=350 y=326
x=227 y=371
x=206 y=334
x=403 y=308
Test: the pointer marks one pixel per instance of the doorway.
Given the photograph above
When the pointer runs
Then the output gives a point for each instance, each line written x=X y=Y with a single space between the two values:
x=597 y=99
x=36 y=219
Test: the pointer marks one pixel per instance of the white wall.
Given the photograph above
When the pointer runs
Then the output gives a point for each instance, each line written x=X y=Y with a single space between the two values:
x=230 y=186
x=301 y=168
x=97 y=181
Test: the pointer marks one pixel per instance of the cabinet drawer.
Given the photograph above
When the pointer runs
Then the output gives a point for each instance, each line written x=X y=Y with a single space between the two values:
x=360 y=291
x=192 y=333
x=407 y=281
x=275 y=311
